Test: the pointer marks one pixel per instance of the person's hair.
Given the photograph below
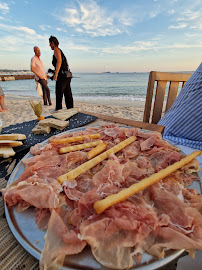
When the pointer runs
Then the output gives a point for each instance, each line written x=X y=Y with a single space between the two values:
x=54 y=40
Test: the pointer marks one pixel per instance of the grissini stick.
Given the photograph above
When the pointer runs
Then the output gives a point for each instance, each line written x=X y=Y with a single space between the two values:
x=78 y=147
x=13 y=137
x=75 y=139
x=9 y=143
x=97 y=150
x=122 y=195
x=93 y=162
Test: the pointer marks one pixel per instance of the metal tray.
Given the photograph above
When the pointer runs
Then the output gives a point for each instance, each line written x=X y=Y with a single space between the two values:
x=24 y=229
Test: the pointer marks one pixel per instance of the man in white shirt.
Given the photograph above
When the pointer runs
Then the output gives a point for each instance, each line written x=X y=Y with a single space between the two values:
x=40 y=75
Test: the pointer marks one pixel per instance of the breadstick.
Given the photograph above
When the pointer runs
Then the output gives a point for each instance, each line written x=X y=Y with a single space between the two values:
x=8 y=143
x=13 y=137
x=79 y=147
x=93 y=162
x=75 y=139
x=122 y=195
x=97 y=150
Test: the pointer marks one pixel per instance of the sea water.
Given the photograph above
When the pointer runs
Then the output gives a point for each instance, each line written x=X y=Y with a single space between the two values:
x=90 y=87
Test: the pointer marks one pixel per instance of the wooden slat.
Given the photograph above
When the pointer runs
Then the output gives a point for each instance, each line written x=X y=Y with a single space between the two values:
x=171 y=76
x=158 y=103
x=183 y=83
x=128 y=122
x=172 y=94
x=148 y=103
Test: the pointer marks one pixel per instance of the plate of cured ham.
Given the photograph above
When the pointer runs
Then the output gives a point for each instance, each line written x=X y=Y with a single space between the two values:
x=56 y=221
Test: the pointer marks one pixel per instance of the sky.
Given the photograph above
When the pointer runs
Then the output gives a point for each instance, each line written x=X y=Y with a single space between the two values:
x=103 y=35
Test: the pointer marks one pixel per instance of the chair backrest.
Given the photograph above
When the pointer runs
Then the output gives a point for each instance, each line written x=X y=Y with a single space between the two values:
x=153 y=115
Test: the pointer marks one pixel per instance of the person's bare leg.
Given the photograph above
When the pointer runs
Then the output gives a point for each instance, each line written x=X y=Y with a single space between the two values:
x=1 y=103
x=3 y=109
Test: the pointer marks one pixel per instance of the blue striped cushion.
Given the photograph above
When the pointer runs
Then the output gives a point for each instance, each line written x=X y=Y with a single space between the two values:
x=183 y=121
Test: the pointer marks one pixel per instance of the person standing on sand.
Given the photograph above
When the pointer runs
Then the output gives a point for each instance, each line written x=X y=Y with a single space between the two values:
x=2 y=109
x=40 y=75
x=62 y=82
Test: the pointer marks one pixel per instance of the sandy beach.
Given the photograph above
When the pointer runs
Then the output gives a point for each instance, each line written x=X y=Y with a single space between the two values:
x=21 y=111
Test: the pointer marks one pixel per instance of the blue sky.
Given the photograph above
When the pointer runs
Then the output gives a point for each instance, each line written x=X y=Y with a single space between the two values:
x=104 y=35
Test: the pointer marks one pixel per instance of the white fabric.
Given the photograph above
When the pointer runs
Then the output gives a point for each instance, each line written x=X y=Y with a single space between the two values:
x=37 y=63
x=187 y=150
x=39 y=90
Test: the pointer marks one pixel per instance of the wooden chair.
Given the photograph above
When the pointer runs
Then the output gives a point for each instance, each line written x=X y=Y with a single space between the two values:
x=153 y=115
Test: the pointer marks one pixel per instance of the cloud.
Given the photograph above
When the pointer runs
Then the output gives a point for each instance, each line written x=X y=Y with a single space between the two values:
x=117 y=49
x=19 y=29
x=179 y=26
x=189 y=15
x=87 y=49
x=135 y=47
x=25 y=30
x=44 y=27
x=92 y=18
x=185 y=46
x=61 y=29
x=19 y=36
x=88 y=17
x=188 y=18
x=4 y=9
x=113 y=50
x=10 y=43
x=171 y=12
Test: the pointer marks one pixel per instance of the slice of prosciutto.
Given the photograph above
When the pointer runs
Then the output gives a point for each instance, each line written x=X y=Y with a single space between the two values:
x=59 y=241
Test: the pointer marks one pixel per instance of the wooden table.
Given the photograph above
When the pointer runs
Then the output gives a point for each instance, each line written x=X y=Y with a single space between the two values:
x=128 y=122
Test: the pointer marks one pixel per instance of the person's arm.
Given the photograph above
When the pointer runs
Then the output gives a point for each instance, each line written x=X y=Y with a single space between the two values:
x=59 y=62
